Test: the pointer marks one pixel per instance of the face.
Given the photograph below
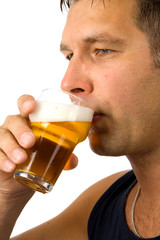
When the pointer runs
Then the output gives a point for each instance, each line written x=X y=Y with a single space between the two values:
x=111 y=68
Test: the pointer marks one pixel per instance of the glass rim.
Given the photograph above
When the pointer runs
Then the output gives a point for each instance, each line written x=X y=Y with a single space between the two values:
x=58 y=90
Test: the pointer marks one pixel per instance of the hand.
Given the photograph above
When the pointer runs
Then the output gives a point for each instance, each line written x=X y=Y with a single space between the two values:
x=72 y=162
x=15 y=136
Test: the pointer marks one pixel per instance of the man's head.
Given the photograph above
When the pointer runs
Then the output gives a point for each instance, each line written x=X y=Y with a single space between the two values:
x=147 y=18
x=111 y=67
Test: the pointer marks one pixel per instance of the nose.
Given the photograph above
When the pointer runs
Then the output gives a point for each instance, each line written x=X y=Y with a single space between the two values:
x=77 y=78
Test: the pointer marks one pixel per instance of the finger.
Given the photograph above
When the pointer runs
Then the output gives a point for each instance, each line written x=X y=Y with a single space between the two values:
x=18 y=126
x=10 y=148
x=26 y=105
x=5 y=164
x=71 y=163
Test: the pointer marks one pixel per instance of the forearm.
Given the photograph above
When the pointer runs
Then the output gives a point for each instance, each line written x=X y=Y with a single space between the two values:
x=10 y=209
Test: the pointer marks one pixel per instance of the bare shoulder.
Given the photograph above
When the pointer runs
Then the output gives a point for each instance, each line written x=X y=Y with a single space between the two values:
x=72 y=223
x=97 y=189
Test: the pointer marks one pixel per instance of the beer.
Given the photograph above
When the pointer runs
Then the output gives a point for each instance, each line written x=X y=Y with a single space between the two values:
x=58 y=129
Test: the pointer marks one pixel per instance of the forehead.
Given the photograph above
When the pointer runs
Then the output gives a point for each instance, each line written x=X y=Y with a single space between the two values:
x=87 y=16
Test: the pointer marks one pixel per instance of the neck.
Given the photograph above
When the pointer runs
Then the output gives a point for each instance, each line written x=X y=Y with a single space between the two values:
x=147 y=171
x=147 y=205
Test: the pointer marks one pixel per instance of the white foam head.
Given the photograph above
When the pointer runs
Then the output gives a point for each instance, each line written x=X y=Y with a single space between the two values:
x=60 y=112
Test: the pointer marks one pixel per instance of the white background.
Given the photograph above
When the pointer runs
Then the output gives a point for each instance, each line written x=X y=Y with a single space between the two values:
x=30 y=34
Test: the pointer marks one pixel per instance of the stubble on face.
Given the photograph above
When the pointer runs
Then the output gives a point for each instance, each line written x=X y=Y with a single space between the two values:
x=129 y=86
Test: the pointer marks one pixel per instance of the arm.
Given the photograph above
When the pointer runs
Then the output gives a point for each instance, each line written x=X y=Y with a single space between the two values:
x=72 y=223
x=10 y=208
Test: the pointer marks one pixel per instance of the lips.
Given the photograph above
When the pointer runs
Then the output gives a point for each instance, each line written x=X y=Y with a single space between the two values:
x=96 y=117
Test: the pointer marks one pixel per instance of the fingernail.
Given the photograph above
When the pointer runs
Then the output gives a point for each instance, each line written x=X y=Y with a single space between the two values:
x=27 y=139
x=19 y=155
x=27 y=105
x=9 y=166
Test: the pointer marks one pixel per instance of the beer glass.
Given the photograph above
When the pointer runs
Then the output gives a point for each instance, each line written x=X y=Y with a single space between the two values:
x=59 y=122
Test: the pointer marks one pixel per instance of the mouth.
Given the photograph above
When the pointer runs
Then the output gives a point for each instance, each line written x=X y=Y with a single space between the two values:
x=96 y=117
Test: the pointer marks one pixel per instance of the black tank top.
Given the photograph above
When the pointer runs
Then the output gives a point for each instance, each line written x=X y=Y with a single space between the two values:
x=107 y=220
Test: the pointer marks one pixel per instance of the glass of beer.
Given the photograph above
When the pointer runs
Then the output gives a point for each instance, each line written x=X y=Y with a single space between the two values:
x=59 y=122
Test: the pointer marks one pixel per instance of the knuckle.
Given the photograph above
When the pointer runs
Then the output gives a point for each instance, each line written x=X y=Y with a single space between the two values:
x=5 y=140
x=12 y=119
x=5 y=164
x=3 y=132
x=3 y=157
x=9 y=119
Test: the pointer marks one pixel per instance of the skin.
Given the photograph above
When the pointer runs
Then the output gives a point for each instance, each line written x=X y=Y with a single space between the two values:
x=114 y=84
x=111 y=68
x=122 y=86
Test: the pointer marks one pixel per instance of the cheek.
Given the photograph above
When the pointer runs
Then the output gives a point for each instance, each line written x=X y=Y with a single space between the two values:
x=127 y=86
x=121 y=88
x=133 y=95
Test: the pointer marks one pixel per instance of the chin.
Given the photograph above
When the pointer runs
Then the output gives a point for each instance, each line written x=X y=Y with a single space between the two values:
x=98 y=146
x=104 y=147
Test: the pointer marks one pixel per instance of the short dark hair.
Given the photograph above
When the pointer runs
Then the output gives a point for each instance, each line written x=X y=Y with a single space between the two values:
x=64 y=4
x=147 y=19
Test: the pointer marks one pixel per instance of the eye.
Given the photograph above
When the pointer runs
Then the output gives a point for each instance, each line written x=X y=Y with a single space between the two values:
x=104 y=51
x=69 y=56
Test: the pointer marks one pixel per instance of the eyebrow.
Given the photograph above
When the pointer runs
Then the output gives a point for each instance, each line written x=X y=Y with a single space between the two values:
x=105 y=37
x=98 y=38
x=64 y=47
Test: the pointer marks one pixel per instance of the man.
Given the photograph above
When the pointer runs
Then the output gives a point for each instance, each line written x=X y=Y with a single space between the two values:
x=113 y=52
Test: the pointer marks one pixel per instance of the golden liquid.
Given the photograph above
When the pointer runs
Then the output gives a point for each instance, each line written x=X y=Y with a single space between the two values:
x=54 y=145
